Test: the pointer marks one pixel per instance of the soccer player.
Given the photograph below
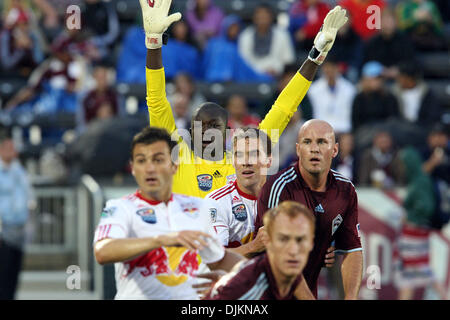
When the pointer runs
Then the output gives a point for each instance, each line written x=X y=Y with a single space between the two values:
x=204 y=166
x=276 y=273
x=331 y=197
x=157 y=238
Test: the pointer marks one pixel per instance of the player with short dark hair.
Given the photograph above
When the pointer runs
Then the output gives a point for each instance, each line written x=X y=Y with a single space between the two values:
x=275 y=274
x=330 y=196
x=204 y=165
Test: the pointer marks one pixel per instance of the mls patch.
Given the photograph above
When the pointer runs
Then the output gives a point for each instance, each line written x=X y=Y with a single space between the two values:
x=108 y=212
x=213 y=213
x=147 y=215
x=204 y=182
x=336 y=223
x=240 y=212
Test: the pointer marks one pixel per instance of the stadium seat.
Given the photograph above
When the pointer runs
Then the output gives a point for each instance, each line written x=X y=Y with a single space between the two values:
x=436 y=64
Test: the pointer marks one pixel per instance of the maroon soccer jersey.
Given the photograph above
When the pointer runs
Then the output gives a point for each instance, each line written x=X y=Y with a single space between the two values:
x=336 y=212
x=253 y=281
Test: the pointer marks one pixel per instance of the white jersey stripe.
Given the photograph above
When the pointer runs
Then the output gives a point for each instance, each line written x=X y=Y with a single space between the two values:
x=276 y=184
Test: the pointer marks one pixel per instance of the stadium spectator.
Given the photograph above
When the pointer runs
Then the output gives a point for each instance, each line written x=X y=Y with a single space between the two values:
x=380 y=165
x=287 y=156
x=102 y=101
x=100 y=20
x=52 y=87
x=374 y=103
x=168 y=228
x=20 y=47
x=436 y=155
x=362 y=16
x=239 y=115
x=390 y=46
x=180 y=103
x=332 y=96
x=275 y=274
x=267 y=48
x=189 y=60
x=204 y=19
x=15 y=201
x=346 y=161
x=222 y=61
x=325 y=192
x=348 y=50
x=414 y=270
x=422 y=21
x=185 y=85
x=417 y=102
x=305 y=19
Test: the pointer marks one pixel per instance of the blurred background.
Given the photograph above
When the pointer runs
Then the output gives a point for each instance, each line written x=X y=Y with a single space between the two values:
x=72 y=95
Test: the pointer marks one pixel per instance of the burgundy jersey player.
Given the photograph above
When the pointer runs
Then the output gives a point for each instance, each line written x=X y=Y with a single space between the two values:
x=330 y=196
x=277 y=273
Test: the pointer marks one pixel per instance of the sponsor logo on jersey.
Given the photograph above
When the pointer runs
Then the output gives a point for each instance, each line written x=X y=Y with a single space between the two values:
x=191 y=211
x=217 y=174
x=108 y=212
x=147 y=215
x=240 y=212
x=170 y=265
x=319 y=209
x=204 y=182
x=336 y=223
x=213 y=213
x=235 y=200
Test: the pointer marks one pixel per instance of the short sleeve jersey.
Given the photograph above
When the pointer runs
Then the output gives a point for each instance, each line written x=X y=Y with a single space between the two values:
x=233 y=215
x=165 y=272
x=336 y=212
x=252 y=280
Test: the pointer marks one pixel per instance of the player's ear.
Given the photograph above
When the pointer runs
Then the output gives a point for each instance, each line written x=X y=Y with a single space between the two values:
x=132 y=167
x=335 y=150
x=297 y=148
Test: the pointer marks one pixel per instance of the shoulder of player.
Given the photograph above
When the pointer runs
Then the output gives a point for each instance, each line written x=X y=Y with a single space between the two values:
x=282 y=179
x=342 y=181
x=223 y=193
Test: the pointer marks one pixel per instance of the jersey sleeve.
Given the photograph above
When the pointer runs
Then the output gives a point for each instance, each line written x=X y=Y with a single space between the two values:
x=113 y=223
x=220 y=221
x=284 y=107
x=347 y=235
x=214 y=251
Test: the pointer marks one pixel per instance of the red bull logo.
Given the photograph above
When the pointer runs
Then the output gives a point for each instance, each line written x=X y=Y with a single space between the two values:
x=170 y=265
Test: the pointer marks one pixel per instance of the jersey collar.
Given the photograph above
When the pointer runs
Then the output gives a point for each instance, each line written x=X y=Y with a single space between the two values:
x=330 y=178
x=149 y=201
x=243 y=194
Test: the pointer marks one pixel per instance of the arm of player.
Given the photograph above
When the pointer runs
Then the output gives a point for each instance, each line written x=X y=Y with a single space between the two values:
x=156 y=21
x=255 y=246
x=229 y=260
x=302 y=292
x=352 y=269
x=110 y=250
x=289 y=99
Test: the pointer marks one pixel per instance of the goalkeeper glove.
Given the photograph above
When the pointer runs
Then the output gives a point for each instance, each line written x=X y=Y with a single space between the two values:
x=323 y=42
x=156 y=21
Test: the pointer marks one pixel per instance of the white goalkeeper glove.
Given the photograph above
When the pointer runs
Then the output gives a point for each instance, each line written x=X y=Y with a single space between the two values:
x=323 y=42
x=156 y=21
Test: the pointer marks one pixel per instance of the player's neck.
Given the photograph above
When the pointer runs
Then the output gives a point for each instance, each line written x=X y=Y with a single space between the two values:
x=316 y=182
x=158 y=196
x=252 y=190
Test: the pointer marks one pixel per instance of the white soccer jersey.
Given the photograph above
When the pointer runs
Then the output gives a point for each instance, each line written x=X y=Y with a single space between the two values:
x=166 y=272
x=233 y=215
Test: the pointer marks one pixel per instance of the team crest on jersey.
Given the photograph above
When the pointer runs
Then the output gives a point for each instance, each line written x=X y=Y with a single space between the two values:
x=191 y=211
x=205 y=182
x=213 y=213
x=336 y=223
x=240 y=212
x=147 y=215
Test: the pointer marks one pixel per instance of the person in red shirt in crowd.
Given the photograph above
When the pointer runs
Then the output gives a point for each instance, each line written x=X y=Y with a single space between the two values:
x=364 y=15
x=239 y=115
x=305 y=20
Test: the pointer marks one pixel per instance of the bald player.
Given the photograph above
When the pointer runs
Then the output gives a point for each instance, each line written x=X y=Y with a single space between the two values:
x=330 y=196
x=203 y=163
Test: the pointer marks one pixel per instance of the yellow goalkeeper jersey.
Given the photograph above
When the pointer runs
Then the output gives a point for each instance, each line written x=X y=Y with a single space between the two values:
x=198 y=177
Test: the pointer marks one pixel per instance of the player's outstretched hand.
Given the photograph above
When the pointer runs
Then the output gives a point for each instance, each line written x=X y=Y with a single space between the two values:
x=203 y=287
x=156 y=21
x=192 y=240
x=324 y=40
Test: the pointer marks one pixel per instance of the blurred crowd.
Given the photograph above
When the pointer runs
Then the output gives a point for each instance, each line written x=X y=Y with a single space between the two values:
x=73 y=56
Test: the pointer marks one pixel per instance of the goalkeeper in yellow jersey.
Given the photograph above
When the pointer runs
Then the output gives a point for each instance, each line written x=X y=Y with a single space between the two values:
x=203 y=163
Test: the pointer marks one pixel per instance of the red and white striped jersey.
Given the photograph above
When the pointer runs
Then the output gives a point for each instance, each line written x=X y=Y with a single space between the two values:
x=165 y=272
x=233 y=215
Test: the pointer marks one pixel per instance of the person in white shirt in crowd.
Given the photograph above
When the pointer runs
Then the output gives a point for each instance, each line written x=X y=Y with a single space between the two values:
x=16 y=199
x=266 y=47
x=157 y=239
x=332 y=96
